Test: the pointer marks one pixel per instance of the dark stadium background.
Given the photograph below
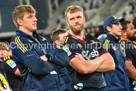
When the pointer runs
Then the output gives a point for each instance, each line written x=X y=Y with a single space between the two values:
x=50 y=14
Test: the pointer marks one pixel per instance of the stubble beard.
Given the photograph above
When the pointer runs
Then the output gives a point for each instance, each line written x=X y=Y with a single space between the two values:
x=132 y=38
x=77 y=31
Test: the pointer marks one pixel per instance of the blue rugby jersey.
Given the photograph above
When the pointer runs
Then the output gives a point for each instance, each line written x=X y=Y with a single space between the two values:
x=89 y=48
x=116 y=80
x=38 y=75
x=130 y=50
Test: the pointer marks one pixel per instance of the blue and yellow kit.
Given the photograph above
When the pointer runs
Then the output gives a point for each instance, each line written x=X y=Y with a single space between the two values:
x=116 y=80
x=38 y=75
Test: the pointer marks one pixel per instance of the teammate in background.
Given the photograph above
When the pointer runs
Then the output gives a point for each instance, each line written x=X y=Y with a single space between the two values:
x=13 y=74
x=86 y=74
x=116 y=80
x=127 y=38
x=4 y=85
x=37 y=71
x=58 y=37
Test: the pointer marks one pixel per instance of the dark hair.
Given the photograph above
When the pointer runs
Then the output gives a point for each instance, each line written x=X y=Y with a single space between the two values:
x=124 y=25
x=134 y=22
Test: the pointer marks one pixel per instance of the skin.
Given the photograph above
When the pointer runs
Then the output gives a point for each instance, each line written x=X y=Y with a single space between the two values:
x=3 y=53
x=61 y=38
x=76 y=21
x=115 y=30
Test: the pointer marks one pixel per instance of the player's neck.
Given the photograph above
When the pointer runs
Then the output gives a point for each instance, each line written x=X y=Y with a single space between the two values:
x=26 y=31
x=126 y=39
x=80 y=36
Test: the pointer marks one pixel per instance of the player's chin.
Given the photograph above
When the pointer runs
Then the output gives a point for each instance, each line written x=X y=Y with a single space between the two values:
x=34 y=28
x=119 y=33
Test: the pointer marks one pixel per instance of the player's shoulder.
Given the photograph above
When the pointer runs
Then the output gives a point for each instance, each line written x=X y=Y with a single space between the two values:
x=88 y=36
x=68 y=39
x=20 y=39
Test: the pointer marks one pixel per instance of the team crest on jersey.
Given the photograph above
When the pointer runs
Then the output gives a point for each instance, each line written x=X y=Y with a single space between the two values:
x=30 y=41
x=43 y=39
x=66 y=49
x=93 y=42
x=11 y=63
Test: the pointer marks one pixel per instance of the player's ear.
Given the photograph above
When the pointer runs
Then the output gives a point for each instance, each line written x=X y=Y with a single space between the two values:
x=108 y=28
x=67 y=22
x=19 y=21
x=56 y=42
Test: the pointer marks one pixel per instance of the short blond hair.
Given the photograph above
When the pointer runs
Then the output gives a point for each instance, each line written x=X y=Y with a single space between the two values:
x=19 y=12
x=72 y=9
x=4 y=46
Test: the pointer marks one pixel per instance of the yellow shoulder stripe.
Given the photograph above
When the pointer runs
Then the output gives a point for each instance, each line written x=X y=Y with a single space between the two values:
x=20 y=45
x=66 y=39
x=106 y=44
x=6 y=58
x=123 y=45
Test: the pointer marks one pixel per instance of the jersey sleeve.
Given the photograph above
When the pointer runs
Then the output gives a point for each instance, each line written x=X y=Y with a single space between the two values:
x=129 y=54
x=101 y=48
x=30 y=58
x=58 y=56
x=9 y=65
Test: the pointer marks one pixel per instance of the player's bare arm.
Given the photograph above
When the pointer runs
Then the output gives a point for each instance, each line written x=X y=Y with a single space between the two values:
x=86 y=66
x=130 y=69
x=108 y=63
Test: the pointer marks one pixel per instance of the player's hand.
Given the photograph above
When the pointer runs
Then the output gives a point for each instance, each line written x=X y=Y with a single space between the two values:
x=43 y=57
x=78 y=55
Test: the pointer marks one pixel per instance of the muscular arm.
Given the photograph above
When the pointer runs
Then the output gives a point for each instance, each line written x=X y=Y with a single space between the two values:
x=17 y=72
x=130 y=69
x=86 y=66
x=108 y=63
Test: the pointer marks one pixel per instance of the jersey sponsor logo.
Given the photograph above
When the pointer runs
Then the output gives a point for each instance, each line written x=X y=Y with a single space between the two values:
x=66 y=49
x=11 y=63
x=89 y=55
